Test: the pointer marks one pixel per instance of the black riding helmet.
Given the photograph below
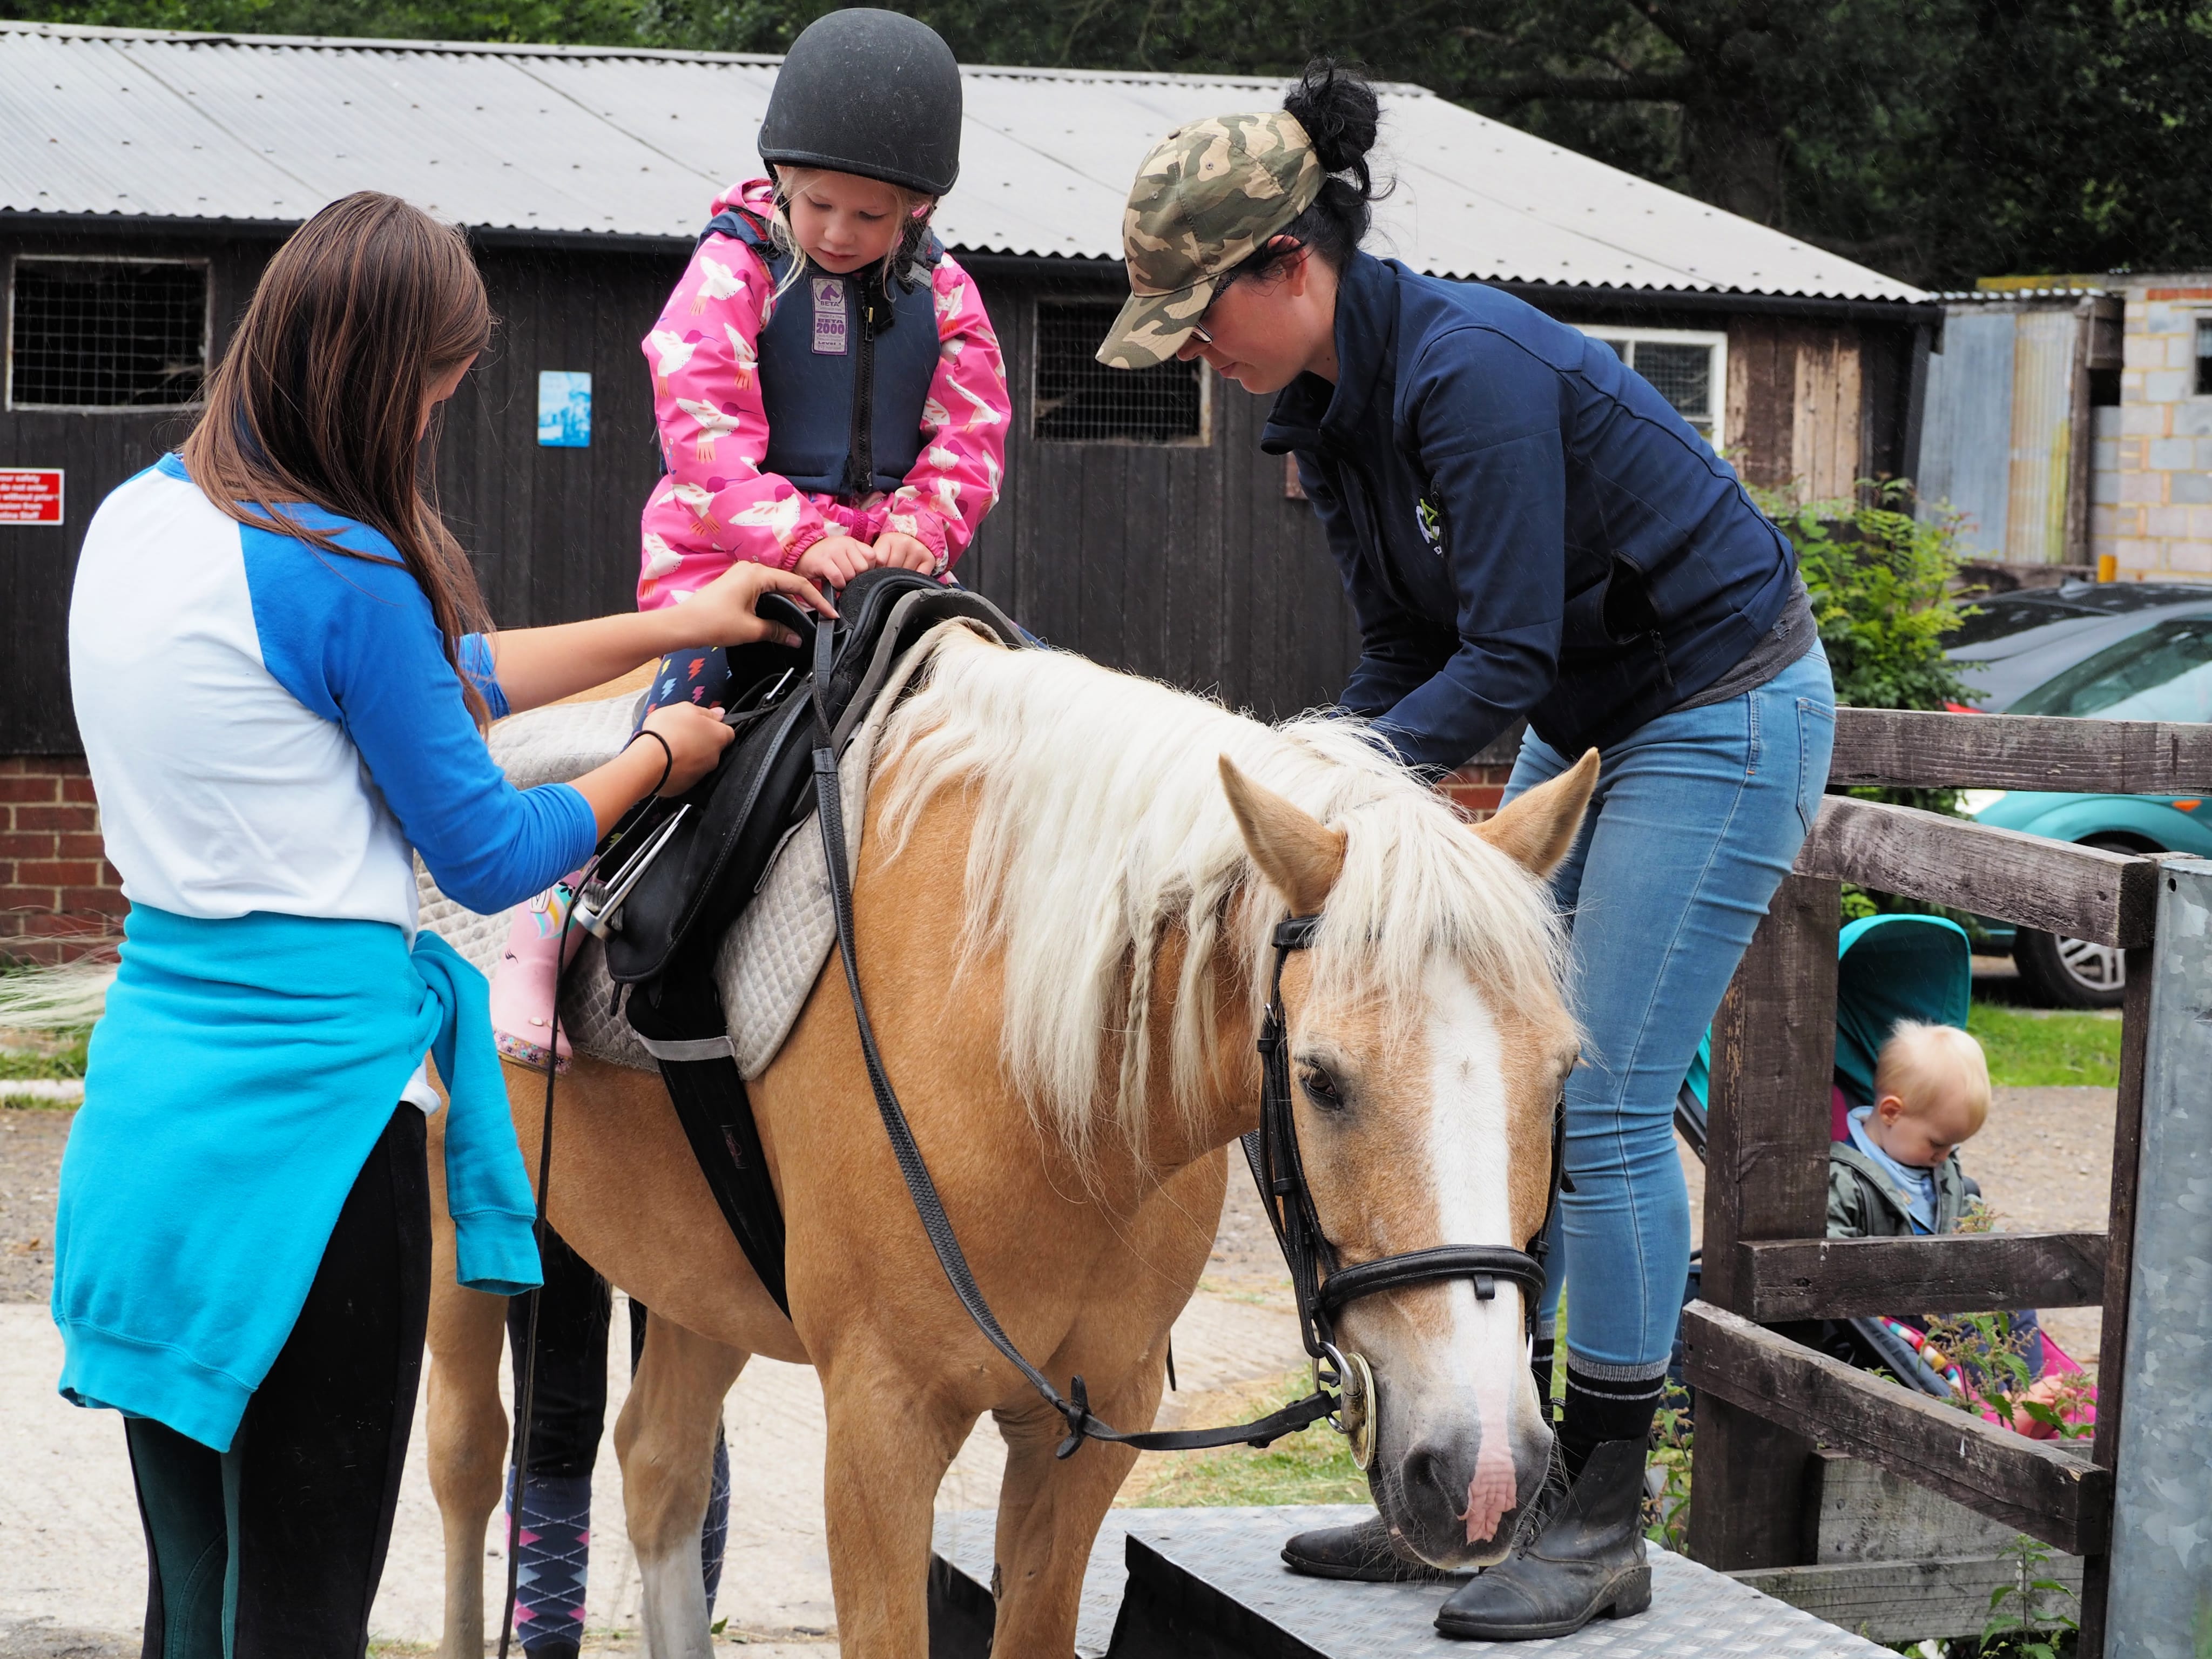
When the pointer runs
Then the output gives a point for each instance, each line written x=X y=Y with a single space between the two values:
x=872 y=92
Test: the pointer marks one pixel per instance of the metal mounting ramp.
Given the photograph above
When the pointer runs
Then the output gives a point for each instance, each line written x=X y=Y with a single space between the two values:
x=1210 y=1584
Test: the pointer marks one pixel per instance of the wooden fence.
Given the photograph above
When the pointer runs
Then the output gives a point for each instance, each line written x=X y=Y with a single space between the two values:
x=1766 y=1400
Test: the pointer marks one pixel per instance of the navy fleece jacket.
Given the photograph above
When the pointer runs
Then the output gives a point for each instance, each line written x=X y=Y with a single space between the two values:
x=1524 y=526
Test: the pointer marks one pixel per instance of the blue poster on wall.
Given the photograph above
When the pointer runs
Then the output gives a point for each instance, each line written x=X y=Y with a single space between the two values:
x=564 y=409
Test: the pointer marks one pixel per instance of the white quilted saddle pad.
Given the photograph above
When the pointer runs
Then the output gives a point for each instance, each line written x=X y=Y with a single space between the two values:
x=768 y=961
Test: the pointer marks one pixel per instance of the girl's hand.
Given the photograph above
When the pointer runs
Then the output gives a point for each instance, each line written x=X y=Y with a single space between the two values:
x=696 y=737
x=896 y=548
x=835 y=559
x=725 y=611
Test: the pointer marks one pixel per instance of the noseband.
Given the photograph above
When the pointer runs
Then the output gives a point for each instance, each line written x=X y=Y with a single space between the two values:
x=1323 y=1287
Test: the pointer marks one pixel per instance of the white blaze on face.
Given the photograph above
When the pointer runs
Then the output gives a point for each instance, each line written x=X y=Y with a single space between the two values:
x=1467 y=1145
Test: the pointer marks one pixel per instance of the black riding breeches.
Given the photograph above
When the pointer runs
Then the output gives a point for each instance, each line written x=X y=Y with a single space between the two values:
x=573 y=1310
x=273 y=1549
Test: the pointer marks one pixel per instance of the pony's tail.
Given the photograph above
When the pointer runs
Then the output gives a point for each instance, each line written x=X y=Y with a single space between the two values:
x=62 y=999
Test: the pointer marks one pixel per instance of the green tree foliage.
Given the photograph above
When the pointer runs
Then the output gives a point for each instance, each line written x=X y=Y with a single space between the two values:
x=1880 y=582
x=1881 y=585
x=1938 y=139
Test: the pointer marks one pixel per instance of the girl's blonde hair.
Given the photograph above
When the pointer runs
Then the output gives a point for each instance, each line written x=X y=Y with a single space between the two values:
x=914 y=207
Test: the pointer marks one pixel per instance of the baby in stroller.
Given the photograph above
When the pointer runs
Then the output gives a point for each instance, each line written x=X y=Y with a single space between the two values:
x=1910 y=1085
x=1898 y=1171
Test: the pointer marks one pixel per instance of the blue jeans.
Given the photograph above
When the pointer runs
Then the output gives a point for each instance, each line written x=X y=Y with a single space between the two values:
x=1697 y=817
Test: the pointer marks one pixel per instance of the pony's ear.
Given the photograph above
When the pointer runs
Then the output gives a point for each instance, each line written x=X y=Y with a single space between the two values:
x=1300 y=855
x=1537 y=829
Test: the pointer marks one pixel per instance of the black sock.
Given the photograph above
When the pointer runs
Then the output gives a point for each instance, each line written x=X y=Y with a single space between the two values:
x=1540 y=1351
x=1605 y=1408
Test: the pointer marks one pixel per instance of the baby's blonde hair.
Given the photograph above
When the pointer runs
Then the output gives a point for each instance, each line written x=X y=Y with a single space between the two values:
x=913 y=222
x=1921 y=1062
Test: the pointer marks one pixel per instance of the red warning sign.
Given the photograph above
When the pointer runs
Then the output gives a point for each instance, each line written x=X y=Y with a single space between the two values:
x=30 y=494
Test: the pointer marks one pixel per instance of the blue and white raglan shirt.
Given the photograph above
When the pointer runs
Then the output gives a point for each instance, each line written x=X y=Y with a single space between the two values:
x=272 y=732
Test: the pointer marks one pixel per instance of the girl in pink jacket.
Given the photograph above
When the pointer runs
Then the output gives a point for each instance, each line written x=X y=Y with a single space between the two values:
x=759 y=363
x=828 y=386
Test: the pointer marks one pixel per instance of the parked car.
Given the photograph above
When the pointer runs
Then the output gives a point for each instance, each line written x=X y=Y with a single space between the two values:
x=2132 y=651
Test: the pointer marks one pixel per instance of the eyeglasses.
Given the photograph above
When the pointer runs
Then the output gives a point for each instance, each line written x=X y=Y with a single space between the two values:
x=1199 y=334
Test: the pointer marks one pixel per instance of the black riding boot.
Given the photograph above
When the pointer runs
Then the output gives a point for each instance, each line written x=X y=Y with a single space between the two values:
x=1366 y=1551
x=1588 y=1560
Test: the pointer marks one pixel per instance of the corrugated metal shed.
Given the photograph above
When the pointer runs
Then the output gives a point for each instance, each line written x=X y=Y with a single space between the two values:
x=545 y=139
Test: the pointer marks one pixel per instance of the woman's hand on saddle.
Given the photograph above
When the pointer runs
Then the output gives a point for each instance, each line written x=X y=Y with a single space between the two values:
x=897 y=548
x=696 y=737
x=538 y=665
x=726 y=611
x=835 y=559
x=677 y=746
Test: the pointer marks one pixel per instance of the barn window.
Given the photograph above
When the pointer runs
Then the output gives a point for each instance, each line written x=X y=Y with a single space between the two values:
x=106 y=333
x=1081 y=401
x=1688 y=369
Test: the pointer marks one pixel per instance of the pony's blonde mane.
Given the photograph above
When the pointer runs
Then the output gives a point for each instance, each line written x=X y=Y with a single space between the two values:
x=1102 y=828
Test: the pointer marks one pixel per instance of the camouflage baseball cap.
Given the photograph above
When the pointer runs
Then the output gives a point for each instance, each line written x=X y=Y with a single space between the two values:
x=1207 y=199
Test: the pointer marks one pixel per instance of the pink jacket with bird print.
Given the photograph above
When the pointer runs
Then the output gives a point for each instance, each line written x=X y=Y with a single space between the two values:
x=715 y=506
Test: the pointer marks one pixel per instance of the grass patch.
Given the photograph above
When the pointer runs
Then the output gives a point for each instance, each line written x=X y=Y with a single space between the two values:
x=59 y=1059
x=2030 y=1047
x=1313 y=1465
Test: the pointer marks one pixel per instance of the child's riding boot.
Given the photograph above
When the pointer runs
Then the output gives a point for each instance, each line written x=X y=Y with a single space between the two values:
x=1587 y=1559
x=528 y=978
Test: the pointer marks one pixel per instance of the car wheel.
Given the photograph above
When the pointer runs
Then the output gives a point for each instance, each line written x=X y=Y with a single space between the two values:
x=2073 y=973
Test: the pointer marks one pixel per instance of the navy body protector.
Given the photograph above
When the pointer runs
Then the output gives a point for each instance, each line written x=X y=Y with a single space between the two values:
x=845 y=364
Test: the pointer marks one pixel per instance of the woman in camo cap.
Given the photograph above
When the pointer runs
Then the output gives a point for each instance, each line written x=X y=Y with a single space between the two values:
x=1527 y=531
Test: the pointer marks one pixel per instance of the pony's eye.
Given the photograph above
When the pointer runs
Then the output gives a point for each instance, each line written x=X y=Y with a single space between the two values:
x=1321 y=1088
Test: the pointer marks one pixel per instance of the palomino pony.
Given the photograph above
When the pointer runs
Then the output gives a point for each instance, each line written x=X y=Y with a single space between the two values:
x=1067 y=884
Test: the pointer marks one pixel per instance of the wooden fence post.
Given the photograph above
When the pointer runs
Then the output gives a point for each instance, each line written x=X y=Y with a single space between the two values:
x=2119 y=1262
x=2158 y=1592
x=1766 y=1176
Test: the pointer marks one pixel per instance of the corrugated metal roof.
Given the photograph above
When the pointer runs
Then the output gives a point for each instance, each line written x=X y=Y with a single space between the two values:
x=635 y=143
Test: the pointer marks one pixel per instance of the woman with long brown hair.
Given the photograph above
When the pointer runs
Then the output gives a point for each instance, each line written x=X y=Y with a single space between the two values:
x=280 y=676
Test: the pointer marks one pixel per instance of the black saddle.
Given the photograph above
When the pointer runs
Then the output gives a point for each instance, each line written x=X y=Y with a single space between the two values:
x=680 y=873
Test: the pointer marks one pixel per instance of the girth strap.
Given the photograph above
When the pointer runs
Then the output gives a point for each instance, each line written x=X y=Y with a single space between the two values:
x=709 y=1093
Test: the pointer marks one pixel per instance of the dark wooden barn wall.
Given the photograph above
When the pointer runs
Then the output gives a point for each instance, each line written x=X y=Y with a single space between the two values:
x=97 y=452
x=1187 y=564
x=553 y=532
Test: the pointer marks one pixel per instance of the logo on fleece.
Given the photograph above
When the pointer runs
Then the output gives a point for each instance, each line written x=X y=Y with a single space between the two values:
x=1429 y=513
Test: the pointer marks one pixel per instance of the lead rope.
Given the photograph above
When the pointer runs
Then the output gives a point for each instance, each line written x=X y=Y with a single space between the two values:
x=526 y=1408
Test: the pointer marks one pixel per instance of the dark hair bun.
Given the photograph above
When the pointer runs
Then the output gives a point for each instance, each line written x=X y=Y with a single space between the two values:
x=1337 y=108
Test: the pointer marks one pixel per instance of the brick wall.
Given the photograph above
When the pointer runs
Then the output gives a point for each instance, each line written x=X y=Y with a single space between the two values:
x=2151 y=470
x=1475 y=789
x=59 y=895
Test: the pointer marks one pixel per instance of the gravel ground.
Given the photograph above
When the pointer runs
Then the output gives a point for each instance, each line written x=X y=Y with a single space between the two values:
x=30 y=1161
x=2043 y=1160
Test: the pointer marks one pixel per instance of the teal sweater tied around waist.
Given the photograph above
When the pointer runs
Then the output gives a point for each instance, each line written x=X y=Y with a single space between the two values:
x=242 y=1071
